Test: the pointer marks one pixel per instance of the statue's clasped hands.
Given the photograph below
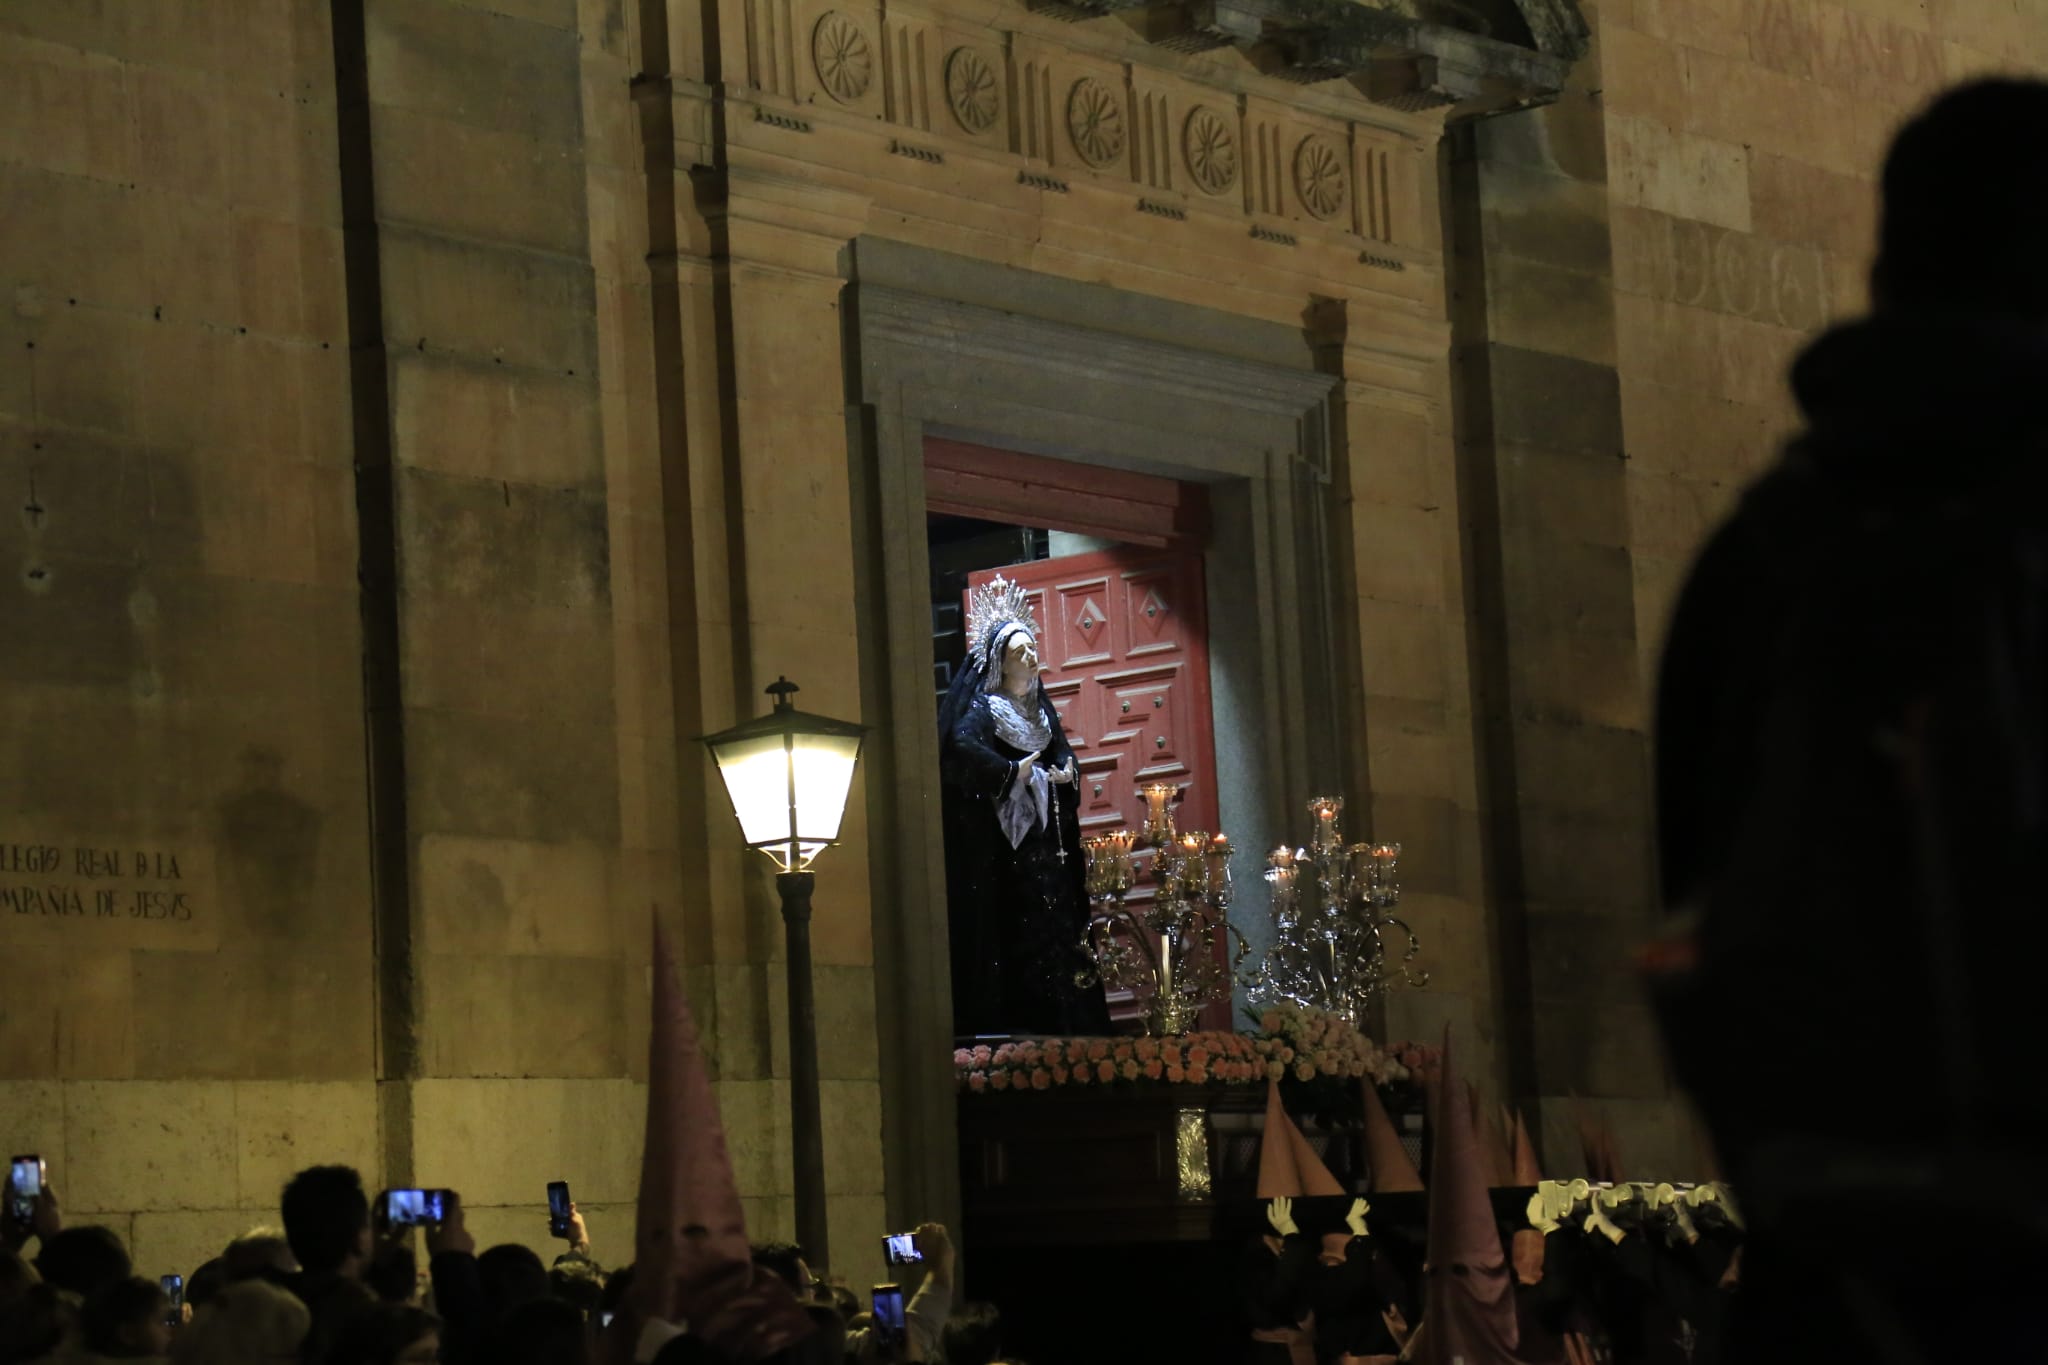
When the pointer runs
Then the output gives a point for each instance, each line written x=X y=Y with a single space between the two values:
x=1061 y=775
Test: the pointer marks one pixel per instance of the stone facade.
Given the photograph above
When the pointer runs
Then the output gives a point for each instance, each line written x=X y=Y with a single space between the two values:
x=429 y=416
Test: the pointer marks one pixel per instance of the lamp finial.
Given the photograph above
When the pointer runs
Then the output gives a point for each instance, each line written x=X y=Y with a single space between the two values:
x=782 y=689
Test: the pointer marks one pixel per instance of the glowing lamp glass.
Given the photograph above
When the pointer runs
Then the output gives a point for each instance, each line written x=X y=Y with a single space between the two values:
x=788 y=775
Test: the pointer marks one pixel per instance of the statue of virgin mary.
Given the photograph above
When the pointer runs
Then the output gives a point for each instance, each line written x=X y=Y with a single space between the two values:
x=1016 y=891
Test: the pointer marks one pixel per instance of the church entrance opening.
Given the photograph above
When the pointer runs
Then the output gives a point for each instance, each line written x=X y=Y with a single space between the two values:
x=1122 y=634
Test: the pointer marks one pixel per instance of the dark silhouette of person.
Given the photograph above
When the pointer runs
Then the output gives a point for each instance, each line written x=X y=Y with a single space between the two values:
x=1850 y=789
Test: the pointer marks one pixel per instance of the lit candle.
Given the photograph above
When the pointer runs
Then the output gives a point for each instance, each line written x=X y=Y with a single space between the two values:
x=1218 y=858
x=1158 y=815
x=1282 y=856
x=1125 y=871
x=1326 y=809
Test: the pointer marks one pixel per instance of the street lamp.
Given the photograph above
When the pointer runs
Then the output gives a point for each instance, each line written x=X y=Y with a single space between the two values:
x=788 y=774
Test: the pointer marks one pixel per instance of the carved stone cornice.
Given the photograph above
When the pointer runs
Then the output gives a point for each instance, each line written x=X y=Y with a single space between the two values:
x=1075 y=11
x=1396 y=53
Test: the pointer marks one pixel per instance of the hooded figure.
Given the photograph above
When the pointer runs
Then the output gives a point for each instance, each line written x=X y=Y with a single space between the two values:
x=1333 y=1274
x=1469 y=1308
x=1493 y=1141
x=1526 y=1247
x=1546 y=1271
x=694 y=1269
x=1274 y=1274
x=1016 y=886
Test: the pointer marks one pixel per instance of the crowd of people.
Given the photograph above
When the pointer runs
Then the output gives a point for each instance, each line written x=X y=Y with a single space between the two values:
x=337 y=1284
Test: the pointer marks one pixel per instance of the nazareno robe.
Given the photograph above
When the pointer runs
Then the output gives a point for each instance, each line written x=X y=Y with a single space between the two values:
x=1349 y=1299
x=1272 y=1289
x=1016 y=914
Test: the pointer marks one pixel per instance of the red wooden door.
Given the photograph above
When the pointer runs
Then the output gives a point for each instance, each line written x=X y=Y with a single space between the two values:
x=1124 y=644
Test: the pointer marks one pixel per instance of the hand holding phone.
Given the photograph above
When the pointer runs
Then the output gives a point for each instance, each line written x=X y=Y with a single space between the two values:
x=888 y=1324
x=414 y=1208
x=29 y=1206
x=449 y=1233
x=560 y=1208
x=174 y=1290
x=900 y=1248
x=24 y=1187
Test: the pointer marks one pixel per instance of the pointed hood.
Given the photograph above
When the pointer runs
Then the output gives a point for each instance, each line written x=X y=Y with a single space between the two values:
x=1470 y=1309
x=1526 y=1247
x=1288 y=1166
x=1596 y=1145
x=693 y=1262
x=1526 y=1169
x=1392 y=1171
x=1495 y=1157
x=1589 y=1141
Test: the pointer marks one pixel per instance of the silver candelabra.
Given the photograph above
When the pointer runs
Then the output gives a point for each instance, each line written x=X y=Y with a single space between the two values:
x=1336 y=940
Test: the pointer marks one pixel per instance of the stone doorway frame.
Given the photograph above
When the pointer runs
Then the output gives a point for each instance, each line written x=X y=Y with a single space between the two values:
x=944 y=345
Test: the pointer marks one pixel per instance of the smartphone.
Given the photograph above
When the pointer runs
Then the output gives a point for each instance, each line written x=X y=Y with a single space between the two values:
x=888 y=1325
x=174 y=1290
x=414 y=1208
x=25 y=1179
x=558 y=1207
x=900 y=1248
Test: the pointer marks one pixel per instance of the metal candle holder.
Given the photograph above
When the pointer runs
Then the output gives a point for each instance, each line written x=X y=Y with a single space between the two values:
x=1188 y=915
x=1336 y=940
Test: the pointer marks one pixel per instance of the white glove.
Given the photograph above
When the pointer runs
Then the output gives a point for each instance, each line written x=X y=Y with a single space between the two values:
x=1607 y=1197
x=1280 y=1214
x=1355 y=1220
x=1553 y=1202
x=1596 y=1221
x=1714 y=1192
x=1666 y=1196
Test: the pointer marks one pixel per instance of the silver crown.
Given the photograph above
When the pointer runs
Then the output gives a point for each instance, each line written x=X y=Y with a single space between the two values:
x=990 y=607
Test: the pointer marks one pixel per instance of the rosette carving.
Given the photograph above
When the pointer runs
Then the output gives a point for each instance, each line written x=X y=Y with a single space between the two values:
x=1209 y=145
x=1319 y=177
x=972 y=91
x=1095 y=121
x=844 y=60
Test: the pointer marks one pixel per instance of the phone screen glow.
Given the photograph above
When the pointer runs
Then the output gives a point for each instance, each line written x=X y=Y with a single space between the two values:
x=26 y=1176
x=411 y=1208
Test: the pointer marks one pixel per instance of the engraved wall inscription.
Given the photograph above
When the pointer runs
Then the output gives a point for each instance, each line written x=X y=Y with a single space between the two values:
x=143 y=892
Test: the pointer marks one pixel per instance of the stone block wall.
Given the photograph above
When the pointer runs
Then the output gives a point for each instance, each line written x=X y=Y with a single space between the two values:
x=1745 y=139
x=236 y=266
x=174 y=436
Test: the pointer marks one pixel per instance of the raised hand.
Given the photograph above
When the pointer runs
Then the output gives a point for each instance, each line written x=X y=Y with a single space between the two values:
x=578 y=1235
x=1280 y=1215
x=450 y=1234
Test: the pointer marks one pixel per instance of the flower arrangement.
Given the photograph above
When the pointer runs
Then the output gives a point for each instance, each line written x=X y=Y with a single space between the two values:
x=1316 y=1056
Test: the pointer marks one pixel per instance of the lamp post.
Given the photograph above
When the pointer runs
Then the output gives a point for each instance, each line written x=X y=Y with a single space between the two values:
x=788 y=774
